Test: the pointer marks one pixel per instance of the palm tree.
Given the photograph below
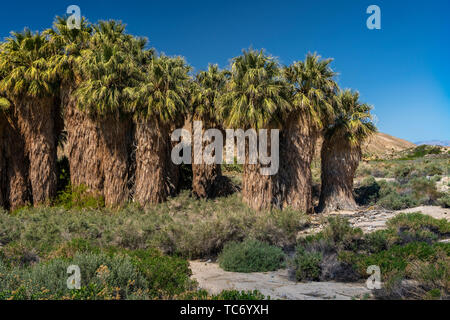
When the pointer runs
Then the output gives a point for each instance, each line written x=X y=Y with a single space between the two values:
x=82 y=139
x=29 y=85
x=341 y=151
x=255 y=98
x=207 y=181
x=14 y=183
x=158 y=101
x=4 y=199
x=109 y=68
x=312 y=88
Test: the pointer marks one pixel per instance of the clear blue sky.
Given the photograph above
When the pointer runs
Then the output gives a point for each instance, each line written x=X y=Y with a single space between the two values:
x=402 y=69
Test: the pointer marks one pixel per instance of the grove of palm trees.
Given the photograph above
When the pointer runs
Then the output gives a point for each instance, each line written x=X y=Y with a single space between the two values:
x=112 y=104
x=87 y=178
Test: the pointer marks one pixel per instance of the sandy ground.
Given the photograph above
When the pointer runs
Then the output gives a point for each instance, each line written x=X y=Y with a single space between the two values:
x=372 y=220
x=278 y=284
x=275 y=284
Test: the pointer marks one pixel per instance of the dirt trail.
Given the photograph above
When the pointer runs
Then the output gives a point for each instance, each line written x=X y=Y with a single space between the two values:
x=275 y=284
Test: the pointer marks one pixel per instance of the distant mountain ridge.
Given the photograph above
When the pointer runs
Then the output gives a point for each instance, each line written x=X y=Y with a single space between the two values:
x=443 y=143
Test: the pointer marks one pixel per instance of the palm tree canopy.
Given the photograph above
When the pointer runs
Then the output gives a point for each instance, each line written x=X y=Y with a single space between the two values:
x=24 y=65
x=255 y=95
x=110 y=68
x=69 y=43
x=312 y=87
x=206 y=91
x=353 y=121
x=164 y=91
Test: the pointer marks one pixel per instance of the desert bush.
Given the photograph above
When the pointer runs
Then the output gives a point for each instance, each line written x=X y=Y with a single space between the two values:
x=166 y=276
x=79 y=197
x=368 y=192
x=379 y=240
x=422 y=151
x=223 y=295
x=420 y=280
x=444 y=201
x=317 y=256
x=341 y=253
x=339 y=232
x=424 y=190
x=112 y=276
x=181 y=226
x=417 y=222
x=397 y=258
x=417 y=191
x=307 y=265
x=251 y=256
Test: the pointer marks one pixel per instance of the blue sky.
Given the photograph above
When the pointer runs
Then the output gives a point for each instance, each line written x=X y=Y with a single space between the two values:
x=403 y=70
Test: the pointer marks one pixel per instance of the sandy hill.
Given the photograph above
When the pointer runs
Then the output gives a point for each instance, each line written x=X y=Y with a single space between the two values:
x=381 y=145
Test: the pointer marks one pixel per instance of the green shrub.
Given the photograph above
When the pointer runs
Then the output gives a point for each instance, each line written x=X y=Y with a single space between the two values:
x=79 y=197
x=339 y=232
x=307 y=265
x=444 y=201
x=424 y=190
x=166 y=276
x=239 y=295
x=114 y=276
x=398 y=257
x=368 y=192
x=430 y=280
x=379 y=240
x=223 y=295
x=422 y=151
x=250 y=256
x=416 y=221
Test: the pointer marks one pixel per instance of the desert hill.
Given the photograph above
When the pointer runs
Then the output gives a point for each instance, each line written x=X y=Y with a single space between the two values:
x=384 y=144
x=380 y=145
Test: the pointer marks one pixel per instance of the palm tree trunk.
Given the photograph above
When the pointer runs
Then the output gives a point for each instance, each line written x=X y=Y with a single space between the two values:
x=83 y=147
x=17 y=184
x=154 y=171
x=205 y=177
x=297 y=144
x=115 y=139
x=260 y=191
x=339 y=163
x=36 y=123
x=3 y=170
x=204 y=180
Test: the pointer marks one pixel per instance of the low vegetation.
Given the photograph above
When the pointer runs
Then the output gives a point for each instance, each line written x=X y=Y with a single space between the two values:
x=251 y=256
x=182 y=226
x=108 y=273
x=413 y=263
x=401 y=184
